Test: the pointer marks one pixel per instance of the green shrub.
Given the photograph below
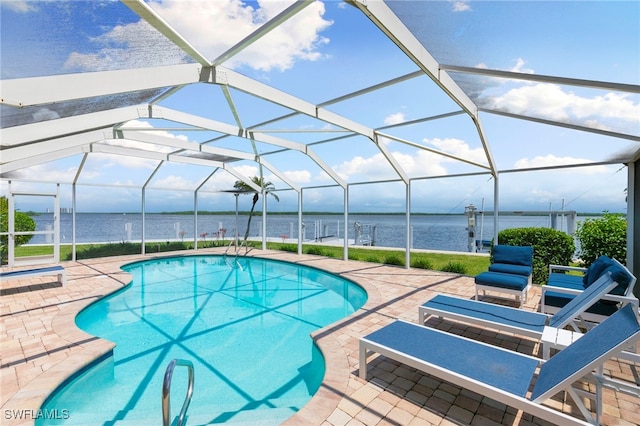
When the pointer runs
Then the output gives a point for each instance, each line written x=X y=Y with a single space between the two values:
x=454 y=267
x=291 y=248
x=392 y=259
x=550 y=246
x=422 y=263
x=606 y=235
x=317 y=250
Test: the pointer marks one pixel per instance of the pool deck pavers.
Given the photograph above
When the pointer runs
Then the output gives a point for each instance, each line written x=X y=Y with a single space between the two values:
x=41 y=347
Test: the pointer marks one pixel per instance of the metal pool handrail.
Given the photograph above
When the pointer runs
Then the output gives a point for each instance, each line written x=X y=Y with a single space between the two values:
x=166 y=391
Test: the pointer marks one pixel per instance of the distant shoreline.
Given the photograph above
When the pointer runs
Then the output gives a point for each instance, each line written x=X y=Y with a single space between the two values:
x=243 y=212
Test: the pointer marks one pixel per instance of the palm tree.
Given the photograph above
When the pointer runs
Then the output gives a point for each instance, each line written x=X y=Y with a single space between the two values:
x=244 y=188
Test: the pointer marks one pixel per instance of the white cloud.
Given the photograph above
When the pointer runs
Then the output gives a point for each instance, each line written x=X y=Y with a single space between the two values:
x=299 y=176
x=360 y=166
x=519 y=67
x=417 y=163
x=458 y=148
x=551 y=101
x=175 y=183
x=20 y=6
x=396 y=118
x=213 y=26
x=127 y=46
x=551 y=160
x=52 y=172
x=460 y=5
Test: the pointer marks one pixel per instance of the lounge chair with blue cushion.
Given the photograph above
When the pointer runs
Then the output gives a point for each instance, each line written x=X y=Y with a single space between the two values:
x=514 y=320
x=562 y=287
x=507 y=376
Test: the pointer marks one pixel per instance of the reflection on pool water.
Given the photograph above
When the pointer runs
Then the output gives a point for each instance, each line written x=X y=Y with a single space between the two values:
x=244 y=323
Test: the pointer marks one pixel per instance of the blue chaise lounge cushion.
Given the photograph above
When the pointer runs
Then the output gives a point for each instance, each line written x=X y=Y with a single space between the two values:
x=604 y=264
x=595 y=270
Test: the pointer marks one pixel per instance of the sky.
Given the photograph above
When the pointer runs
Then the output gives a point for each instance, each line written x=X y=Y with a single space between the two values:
x=331 y=49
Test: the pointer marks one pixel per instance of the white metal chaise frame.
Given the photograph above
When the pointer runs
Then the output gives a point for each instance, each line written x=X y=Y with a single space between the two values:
x=434 y=351
x=569 y=315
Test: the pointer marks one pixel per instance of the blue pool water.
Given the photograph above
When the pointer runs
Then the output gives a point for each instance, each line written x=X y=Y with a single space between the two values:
x=245 y=325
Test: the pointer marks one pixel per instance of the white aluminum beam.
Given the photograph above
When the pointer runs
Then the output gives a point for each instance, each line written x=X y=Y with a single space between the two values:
x=229 y=129
x=130 y=152
x=263 y=30
x=242 y=177
x=34 y=160
x=327 y=169
x=595 y=84
x=278 y=173
x=245 y=84
x=566 y=125
x=22 y=92
x=392 y=160
x=23 y=152
x=485 y=145
x=146 y=136
x=149 y=15
x=435 y=151
x=152 y=155
x=384 y=18
x=47 y=130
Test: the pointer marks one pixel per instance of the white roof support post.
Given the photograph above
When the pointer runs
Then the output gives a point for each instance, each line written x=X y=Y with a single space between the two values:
x=56 y=225
x=345 y=251
x=633 y=218
x=195 y=221
x=407 y=244
x=74 y=186
x=144 y=194
x=11 y=223
x=300 y=222
x=494 y=173
x=195 y=207
x=496 y=206
x=264 y=219
x=73 y=221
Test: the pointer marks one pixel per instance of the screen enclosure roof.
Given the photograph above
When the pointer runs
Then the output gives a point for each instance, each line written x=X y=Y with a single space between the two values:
x=222 y=90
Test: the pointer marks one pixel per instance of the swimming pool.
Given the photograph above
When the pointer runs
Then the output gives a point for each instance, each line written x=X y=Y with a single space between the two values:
x=244 y=323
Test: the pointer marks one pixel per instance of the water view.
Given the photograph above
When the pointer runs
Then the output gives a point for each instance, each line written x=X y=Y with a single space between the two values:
x=432 y=232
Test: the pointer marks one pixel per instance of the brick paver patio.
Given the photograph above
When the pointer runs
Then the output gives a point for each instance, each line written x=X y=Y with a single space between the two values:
x=41 y=347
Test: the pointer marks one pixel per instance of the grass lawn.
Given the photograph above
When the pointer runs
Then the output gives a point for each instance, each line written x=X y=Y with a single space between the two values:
x=451 y=262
